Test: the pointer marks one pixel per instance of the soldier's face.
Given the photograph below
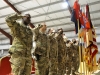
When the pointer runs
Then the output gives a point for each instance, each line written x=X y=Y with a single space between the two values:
x=51 y=31
x=73 y=40
x=43 y=28
x=26 y=19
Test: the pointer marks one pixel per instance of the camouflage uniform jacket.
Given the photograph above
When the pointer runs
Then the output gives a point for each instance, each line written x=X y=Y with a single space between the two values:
x=75 y=50
x=42 y=43
x=69 y=51
x=22 y=36
x=53 y=46
x=61 y=48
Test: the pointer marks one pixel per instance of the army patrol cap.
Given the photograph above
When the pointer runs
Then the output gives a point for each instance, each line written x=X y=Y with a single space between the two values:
x=74 y=40
x=68 y=41
x=28 y=15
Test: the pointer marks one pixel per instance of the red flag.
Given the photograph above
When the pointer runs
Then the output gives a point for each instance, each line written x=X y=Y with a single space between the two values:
x=88 y=15
x=78 y=13
x=73 y=19
x=86 y=22
x=76 y=7
x=81 y=18
x=94 y=46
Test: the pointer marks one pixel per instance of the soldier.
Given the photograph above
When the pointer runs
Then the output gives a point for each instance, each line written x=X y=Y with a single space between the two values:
x=65 y=55
x=75 y=57
x=20 y=51
x=61 y=52
x=69 y=56
x=53 y=52
x=42 y=49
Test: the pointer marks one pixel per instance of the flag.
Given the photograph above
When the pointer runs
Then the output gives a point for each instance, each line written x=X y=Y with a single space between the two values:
x=75 y=15
x=81 y=18
x=86 y=22
x=74 y=19
x=94 y=46
x=76 y=7
x=94 y=43
x=88 y=15
x=91 y=48
x=78 y=12
x=90 y=39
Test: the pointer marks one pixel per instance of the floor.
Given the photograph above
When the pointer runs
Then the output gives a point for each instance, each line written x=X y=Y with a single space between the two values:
x=95 y=73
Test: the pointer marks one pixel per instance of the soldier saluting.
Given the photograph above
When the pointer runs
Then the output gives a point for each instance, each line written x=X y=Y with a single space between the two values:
x=20 y=51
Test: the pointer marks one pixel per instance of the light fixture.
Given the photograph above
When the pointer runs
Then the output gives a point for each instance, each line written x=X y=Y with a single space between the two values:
x=65 y=5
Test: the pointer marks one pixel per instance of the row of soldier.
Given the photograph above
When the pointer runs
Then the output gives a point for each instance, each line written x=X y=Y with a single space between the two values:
x=53 y=56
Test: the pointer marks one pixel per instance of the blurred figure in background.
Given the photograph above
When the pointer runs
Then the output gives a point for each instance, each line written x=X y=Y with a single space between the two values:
x=42 y=49
x=61 y=52
x=53 y=55
x=75 y=56
x=69 y=56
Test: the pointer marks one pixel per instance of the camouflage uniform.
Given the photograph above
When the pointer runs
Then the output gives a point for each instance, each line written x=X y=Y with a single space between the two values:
x=20 y=51
x=53 y=54
x=61 y=54
x=69 y=58
x=41 y=51
x=75 y=59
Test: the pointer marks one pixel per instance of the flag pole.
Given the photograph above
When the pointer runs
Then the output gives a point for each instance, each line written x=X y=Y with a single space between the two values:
x=79 y=48
x=83 y=48
x=89 y=38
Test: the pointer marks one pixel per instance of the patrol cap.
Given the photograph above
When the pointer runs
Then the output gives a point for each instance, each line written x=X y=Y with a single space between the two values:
x=73 y=40
x=68 y=41
x=28 y=15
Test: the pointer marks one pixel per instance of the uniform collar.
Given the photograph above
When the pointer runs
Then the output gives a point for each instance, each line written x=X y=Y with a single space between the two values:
x=41 y=32
x=22 y=24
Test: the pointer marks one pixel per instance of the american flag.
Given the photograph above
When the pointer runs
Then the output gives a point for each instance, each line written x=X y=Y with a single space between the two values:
x=92 y=48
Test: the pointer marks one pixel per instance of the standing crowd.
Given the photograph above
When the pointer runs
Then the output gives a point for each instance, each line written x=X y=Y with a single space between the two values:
x=55 y=54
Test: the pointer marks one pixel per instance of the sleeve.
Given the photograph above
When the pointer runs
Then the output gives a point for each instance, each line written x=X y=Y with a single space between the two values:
x=12 y=19
x=13 y=25
x=48 y=47
x=35 y=33
x=50 y=36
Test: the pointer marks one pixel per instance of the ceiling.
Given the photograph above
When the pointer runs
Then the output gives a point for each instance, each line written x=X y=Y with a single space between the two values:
x=53 y=12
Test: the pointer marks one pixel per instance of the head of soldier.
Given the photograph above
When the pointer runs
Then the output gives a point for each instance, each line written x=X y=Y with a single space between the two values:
x=43 y=28
x=74 y=41
x=60 y=31
x=51 y=31
x=68 y=41
x=26 y=19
